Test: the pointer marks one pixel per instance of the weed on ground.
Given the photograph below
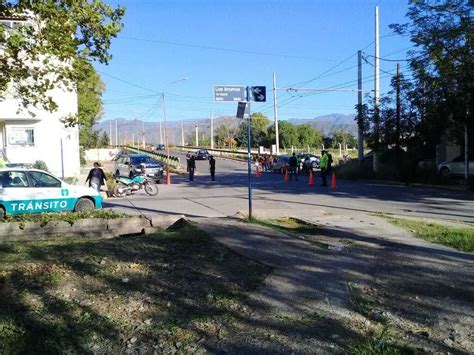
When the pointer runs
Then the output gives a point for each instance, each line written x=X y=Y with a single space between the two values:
x=460 y=238
x=169 y=292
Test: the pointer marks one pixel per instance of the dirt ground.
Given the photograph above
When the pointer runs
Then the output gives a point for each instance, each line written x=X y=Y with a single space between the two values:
x=293 y=289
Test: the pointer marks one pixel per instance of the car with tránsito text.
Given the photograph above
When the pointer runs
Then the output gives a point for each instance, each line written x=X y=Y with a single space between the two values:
x=35 y=191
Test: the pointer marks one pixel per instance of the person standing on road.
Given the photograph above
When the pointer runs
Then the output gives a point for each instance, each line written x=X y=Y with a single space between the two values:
x=329 y=167
x=212 y=167
x=323 y=165
x=191 y=167
x=188 y=156
x=293 y=165
x=96 y=177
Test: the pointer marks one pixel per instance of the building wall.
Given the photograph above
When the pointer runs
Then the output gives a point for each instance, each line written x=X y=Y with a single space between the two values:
x=48 y=134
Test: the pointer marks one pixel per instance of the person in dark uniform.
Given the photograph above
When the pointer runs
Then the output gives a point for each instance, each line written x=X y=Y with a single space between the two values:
x=191 y=167
x=96 y=177
x=212 y=167
x=293 y=165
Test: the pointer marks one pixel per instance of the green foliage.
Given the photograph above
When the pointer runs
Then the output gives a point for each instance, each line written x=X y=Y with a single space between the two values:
x=344 y=138
x=69 y=217
x=456 y=237
x=40 y=165
x=259 y=124
x=71 y=31
x=224 y=135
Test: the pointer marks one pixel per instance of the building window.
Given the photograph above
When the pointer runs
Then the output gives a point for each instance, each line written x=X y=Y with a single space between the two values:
x=21 y=136
x=9 y=26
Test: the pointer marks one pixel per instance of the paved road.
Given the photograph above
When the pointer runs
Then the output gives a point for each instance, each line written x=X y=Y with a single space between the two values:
x=273 y=197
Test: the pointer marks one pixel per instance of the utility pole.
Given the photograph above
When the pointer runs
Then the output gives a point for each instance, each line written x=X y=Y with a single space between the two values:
x=360 y=120
x=249 y=154
x=376 y=93
x=161 y=134
x=182 y=134
x=110 y=133
x=397 y=123
x=275 y=115
x=116 y=133
x=197 y=136
x=212 y=130
x=143 y=134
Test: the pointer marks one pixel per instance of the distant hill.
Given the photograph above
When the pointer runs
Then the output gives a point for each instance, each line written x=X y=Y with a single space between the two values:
x=134 y=129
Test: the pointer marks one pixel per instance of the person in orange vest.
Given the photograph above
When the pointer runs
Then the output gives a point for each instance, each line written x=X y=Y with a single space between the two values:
x=323 y=165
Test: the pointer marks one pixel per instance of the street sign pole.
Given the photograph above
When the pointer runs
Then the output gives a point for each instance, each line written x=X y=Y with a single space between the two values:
x=249 y=154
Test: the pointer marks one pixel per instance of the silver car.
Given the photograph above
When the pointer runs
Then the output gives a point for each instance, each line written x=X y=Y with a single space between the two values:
x=130 y=165
x=455 y=167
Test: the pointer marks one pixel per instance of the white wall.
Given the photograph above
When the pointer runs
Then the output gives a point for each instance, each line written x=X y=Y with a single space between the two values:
x=48 y=131
x=104 y=154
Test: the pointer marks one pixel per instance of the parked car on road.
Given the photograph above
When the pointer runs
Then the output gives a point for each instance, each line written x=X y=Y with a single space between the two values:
x=34 y=191
x=130 y=165
x=280 y=164
x=309 y=161
x=456 y=166
x=202 y=154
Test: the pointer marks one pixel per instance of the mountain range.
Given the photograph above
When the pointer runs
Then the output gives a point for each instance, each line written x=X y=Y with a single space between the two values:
x=134 y=130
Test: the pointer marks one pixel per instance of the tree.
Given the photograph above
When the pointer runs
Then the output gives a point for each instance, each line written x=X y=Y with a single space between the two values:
x=224 y=134
x=442 y=66
x=344 y=138
x=48 y=48
x=259 y=124
x=89 y=93
x=309 y=136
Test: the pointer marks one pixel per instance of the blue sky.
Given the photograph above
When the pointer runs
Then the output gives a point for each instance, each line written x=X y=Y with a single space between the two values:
x=243 y=42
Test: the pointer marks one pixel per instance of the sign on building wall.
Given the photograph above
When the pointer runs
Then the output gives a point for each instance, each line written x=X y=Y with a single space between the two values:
x=20 y=136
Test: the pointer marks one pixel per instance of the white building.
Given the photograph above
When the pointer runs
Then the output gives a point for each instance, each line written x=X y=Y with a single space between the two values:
x=26 y=137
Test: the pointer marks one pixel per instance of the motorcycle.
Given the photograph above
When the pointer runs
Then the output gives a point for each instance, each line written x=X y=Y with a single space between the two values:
x=126 y=186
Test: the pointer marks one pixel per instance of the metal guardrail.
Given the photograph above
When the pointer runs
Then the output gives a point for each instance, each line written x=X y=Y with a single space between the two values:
x=162 y=158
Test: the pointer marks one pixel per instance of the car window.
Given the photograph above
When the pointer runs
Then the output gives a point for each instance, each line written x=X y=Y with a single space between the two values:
x=143 y=160
x=14 y=179
x=40 y=179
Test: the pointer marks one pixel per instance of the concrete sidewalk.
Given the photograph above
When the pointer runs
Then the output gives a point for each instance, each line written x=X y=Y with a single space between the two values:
x=414 y=284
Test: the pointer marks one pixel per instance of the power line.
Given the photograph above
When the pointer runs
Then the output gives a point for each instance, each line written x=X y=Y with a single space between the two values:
x=200 y=46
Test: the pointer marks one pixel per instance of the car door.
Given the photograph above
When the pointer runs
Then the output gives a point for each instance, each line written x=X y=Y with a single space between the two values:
x=16 y=192
x=50 y=195
x=457 y=166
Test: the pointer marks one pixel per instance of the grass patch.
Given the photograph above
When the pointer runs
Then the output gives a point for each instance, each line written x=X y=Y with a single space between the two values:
x=378 y=344
x=460 y=238
x=293 y=227
x=157 y=293
x=70 y=217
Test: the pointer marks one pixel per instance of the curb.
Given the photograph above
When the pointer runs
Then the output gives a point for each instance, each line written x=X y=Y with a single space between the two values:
x=90 y=227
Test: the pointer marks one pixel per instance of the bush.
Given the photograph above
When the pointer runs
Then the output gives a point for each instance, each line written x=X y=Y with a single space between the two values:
x=40 y=165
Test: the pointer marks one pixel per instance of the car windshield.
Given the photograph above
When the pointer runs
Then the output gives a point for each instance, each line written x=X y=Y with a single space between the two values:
x=143 y=160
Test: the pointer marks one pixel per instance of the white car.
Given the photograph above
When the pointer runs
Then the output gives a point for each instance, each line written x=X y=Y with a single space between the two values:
x=35 y=191
x=456 y=166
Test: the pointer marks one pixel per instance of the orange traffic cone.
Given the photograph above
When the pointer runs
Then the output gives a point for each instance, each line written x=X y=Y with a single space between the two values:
x=333 y=182
x=311 y=179
x=286 y=175
x=168 y=177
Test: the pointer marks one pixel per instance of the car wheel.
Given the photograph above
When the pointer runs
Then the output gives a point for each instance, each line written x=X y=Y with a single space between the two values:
x=84 y=204
x=130 y=175
x=117 y=174
x=314 y=165
x=2 y=213
x=444 y=172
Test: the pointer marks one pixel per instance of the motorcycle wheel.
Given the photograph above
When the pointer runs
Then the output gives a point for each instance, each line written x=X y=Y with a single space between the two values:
x=119 y=191
x=151 y=189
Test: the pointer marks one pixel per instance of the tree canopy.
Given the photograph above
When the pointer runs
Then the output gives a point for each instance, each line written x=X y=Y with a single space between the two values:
x=49 y=44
